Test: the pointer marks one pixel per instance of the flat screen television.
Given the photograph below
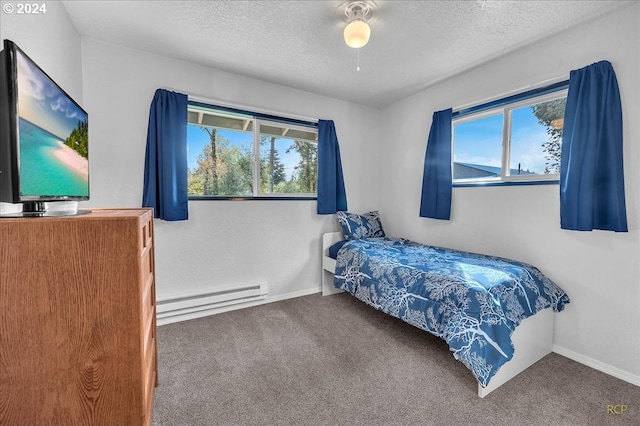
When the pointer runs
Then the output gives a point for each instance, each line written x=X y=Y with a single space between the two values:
x=44 y=144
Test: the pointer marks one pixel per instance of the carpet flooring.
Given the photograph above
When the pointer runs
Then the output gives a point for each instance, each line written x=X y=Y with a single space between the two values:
x=333 y=360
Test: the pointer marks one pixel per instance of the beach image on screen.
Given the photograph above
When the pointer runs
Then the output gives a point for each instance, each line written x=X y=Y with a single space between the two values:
x=53 y=137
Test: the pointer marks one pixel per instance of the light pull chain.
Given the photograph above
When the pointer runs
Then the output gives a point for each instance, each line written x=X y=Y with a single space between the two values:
x=358 y=67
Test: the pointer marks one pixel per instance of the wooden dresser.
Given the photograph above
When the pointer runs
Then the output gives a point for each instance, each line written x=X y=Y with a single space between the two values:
x=77 y=319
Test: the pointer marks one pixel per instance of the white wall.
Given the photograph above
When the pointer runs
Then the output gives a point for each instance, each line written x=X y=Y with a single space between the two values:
x=52 y=41
x=224 y=243
x=599 y=270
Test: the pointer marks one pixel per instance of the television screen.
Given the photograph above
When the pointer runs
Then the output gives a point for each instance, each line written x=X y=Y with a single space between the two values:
x=53 y=137
x=44 y=140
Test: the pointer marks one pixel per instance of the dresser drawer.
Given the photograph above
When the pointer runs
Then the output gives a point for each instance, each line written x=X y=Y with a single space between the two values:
x=147 y=233
x=148 y=349
x=148 y=299
x=149 y=382
x=147 y=267
x=148 y=316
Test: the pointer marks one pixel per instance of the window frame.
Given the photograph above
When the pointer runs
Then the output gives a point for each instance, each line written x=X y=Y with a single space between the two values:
x=257 y=119
x=506 y=106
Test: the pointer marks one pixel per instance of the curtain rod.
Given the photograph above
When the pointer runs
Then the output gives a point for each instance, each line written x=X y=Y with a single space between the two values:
x=205 y=100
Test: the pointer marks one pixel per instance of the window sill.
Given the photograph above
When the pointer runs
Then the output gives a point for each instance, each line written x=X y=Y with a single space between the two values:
x=506 y=183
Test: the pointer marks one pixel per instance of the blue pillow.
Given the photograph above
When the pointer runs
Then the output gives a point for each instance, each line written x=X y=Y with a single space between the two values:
x=355 y=226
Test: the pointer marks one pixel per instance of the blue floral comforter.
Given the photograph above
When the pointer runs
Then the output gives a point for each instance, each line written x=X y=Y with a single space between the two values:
x=472 y=301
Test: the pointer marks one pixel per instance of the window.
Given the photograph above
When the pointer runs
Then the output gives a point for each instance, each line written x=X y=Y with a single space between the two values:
x=517 y=139
x=239 y=154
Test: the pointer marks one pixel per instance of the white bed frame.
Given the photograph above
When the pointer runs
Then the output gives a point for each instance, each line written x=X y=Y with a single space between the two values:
x=532 y=339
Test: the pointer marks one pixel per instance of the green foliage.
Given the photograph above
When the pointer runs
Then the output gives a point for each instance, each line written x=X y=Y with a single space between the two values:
x=78 y=140
x=235 y=177
x=306 y=172
x=224 y=169
x=551 y=115
x=272 y=172
x=232 y=171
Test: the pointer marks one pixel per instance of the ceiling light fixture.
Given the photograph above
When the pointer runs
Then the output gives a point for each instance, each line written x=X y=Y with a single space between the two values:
x=357 y=32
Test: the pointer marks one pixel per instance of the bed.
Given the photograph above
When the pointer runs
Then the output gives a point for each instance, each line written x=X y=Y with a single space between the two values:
x=496 y=343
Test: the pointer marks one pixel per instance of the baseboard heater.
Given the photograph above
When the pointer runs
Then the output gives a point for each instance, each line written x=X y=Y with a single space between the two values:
x=197 y=305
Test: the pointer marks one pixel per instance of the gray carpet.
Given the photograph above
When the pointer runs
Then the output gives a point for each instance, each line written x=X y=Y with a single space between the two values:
x=333 y=360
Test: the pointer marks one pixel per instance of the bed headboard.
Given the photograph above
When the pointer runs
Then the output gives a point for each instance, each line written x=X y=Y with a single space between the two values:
x=329 y=239
x=329 y=264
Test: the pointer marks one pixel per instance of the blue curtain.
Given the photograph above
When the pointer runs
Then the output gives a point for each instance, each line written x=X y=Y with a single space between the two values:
x=165 y=165
x=591 y=166
x=331 y=193
x=436 y=179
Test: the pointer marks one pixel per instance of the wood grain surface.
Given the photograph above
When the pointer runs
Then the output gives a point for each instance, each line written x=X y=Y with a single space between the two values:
x=77 y=300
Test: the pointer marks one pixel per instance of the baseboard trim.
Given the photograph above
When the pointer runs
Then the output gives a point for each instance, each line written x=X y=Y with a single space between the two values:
x=598 y=365
x=293 y=295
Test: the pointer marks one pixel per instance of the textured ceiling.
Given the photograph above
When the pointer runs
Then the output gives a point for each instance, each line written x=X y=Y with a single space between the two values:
x=299 y=43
